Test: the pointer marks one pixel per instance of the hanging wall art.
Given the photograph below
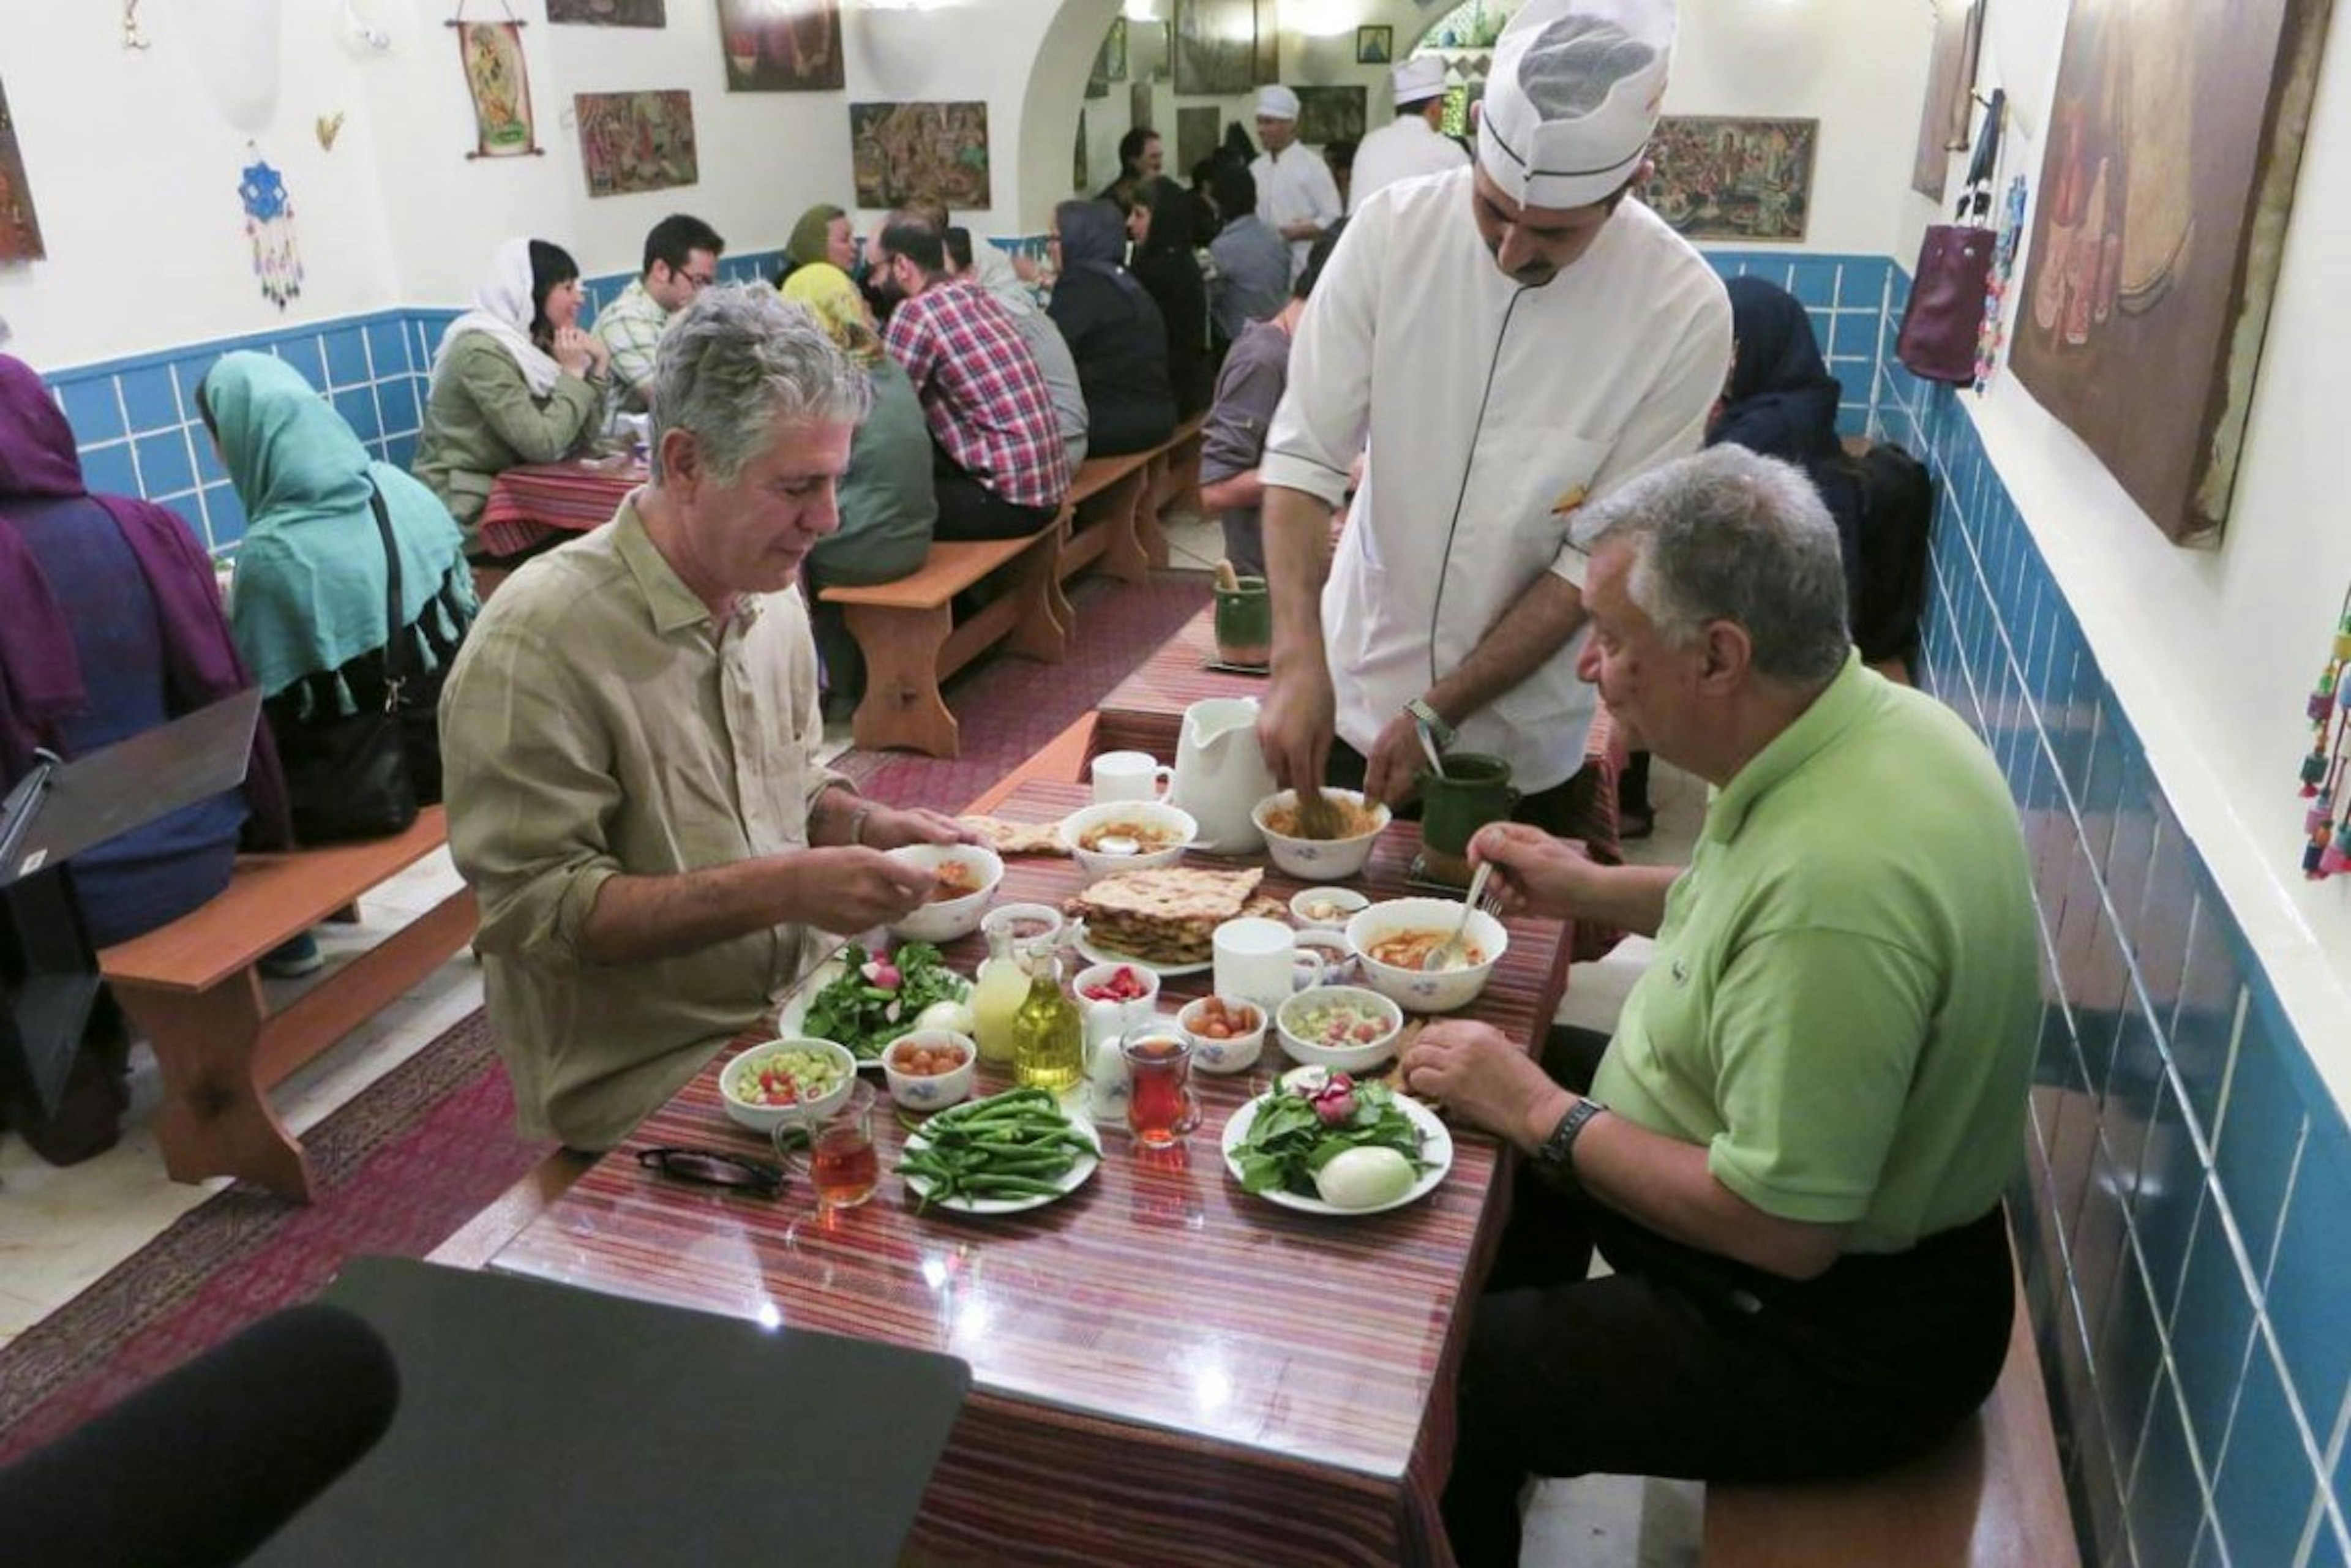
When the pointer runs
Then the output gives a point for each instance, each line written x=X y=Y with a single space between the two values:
x=499 y=82
x=2166 y=176
x=1719 y=177
x=608 y=13
x=938 y=150
x=636 y=140
x=1215 y=44
x=269 y=226
x=1951 y=81
x=20 y=228
x=782 y=46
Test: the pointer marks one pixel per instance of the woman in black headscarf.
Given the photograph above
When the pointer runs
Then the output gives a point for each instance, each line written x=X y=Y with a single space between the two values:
x=1781 y=401
x=1113 y=330
x=1170 y=274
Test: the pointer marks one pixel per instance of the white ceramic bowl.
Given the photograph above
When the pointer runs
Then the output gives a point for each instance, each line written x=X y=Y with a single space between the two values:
x=945 y=919
x=934 y=1092
x=1325 y=908
x=762 y=1117
x=1356 y=1058
x=1426 y=993
x=1232 y=1053
x=1156 y=814
x=1319 y=859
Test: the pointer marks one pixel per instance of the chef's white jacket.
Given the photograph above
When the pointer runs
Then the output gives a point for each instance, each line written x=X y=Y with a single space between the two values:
x=1403 y=149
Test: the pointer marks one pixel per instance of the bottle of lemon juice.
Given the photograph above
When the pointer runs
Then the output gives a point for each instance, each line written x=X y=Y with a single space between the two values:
x=996 y=999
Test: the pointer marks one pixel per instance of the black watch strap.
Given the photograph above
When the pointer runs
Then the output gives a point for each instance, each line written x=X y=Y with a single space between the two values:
x=1559 y=1149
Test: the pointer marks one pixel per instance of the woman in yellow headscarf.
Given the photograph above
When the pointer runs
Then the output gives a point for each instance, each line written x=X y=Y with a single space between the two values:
x=888 y=507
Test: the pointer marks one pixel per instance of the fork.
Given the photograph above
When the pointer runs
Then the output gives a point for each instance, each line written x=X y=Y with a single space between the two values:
x=1450 y=953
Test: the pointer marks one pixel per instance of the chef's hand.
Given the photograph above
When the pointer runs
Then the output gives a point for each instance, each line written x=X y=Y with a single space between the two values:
x=850 y=889
x=1295 y=725
x=1392 y=770
x=1533 y=873
x=1479 y=1073
x=888 y=827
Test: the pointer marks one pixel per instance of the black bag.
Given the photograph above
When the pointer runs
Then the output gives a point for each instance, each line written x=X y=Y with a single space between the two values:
x=1945 y=316
x=367 y=776
x=1889 y=591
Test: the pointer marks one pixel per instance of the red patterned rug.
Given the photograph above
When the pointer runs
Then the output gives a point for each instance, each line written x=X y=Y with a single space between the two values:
x=1009 y=708
x=433 y=1142
x=398 y=1169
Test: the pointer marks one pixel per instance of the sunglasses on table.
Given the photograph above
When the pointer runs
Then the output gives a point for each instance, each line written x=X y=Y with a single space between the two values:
x=714 y=1167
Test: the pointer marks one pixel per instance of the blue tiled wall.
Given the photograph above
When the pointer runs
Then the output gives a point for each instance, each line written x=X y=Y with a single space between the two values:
x=136 y=425
x=1847 y=296
x=2189 y=1177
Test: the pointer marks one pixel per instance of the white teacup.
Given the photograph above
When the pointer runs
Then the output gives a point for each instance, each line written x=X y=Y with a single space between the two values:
x=1263 y=961
x=1130 y=776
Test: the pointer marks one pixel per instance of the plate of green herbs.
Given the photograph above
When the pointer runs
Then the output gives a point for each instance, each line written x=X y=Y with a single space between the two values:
x=1275 y=1143
x=864 y=1000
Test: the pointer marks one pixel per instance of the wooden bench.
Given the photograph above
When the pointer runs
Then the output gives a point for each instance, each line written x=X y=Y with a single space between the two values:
x=1989 y=1497
x=912 y=641
x=1175 y=487
x=1103 y=517
x=195 y=987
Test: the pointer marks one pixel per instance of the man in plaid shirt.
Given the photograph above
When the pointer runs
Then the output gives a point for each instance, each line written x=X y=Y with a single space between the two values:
x=999 y=468
x=681 y=260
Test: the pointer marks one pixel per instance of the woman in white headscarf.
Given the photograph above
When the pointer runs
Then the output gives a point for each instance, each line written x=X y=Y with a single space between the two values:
x=514 y=380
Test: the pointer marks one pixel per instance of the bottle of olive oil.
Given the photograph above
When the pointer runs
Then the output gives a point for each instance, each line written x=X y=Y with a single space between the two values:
x=1047 y=1034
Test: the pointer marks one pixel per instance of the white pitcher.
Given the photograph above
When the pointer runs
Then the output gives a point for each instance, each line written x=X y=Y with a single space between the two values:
x=1220 y=775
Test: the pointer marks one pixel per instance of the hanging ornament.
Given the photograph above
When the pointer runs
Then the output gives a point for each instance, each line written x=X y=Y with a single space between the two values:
x=269 y=223
x=2326 y=824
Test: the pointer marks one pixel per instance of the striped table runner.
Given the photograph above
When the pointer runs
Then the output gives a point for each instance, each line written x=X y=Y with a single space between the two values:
x=1166 y=1369
x=531 y=500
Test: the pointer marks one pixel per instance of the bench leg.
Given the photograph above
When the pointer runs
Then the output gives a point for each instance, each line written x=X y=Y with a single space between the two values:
x=1150 y=534
x=214 y=1119
x=902 y=706
x=1123 y=555
x=1042 y=632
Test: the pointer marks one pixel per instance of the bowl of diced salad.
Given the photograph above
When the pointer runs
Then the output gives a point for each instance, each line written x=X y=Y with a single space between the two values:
x=1345 y=1028
x=783 y=1081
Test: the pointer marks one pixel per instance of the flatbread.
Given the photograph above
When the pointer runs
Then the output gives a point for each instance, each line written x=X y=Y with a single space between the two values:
x=1168 y=914
x=1018 y=837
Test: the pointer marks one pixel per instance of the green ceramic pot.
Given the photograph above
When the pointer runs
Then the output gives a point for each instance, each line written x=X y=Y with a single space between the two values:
x=1245 y=622
x=1475 y=791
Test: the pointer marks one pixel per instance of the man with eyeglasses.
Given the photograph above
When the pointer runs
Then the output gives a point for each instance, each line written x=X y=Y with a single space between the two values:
x=630 y=737
x=681 y=260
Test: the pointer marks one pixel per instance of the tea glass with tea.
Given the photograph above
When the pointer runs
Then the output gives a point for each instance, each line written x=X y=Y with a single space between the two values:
x=1160 y=1105
x=841 y=1160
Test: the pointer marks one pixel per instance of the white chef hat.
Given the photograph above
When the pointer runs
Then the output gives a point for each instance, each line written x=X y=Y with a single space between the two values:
x=1573 y=98
x=1417 y=79
x=1276 y=102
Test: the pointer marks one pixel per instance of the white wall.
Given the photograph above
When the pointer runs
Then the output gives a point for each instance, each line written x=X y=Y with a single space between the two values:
x=2213 y=651
x=133 y=166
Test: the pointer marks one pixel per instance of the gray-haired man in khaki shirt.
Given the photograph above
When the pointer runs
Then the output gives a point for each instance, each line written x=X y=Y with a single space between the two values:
x=630 y=741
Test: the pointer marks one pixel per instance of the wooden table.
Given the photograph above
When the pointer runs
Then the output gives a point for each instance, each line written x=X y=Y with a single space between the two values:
x=1165 y=1369
x=530 y=500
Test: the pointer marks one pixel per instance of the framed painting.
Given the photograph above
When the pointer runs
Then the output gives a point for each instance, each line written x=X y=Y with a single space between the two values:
x=2166 y=176
x=1950 y=84
x=1267 y=67
x=1726 y=177
x=1327 y=114
x=782 y=46
x=608 y=13
x=1195 y=136
x=936 y=151
x=499 y=83
x=1374 y=45
x=1215 y=44
x=20 y=228
x=1078 y=169
x=631 y=142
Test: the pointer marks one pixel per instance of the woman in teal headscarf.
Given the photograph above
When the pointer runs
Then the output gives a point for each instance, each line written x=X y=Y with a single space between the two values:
x=308 y=604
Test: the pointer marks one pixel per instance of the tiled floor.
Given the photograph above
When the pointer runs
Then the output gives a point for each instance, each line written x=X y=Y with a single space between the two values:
x=61 y=1229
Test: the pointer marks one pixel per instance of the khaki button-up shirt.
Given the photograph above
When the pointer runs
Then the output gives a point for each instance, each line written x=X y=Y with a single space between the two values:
x=600 y=722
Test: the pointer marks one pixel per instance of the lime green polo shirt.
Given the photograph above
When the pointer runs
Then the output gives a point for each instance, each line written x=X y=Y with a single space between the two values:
x=1846 y=994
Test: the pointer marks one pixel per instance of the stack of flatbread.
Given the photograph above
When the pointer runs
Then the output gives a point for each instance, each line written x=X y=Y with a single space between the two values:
x=1168 y=914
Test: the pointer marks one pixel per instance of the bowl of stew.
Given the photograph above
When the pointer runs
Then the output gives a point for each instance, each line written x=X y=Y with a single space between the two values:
x=966 y=877
x=1391 y=939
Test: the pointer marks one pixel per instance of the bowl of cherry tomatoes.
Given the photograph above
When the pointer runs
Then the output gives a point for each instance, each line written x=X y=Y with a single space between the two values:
x=1227 y=1033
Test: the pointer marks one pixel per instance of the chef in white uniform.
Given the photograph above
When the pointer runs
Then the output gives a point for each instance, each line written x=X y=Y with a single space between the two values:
x=1508 y=339
x=1410 y=144
x=1296 y=196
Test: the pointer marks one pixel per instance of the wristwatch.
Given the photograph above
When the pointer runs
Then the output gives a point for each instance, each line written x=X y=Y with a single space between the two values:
x=1557 y=1151
x=1444 y=734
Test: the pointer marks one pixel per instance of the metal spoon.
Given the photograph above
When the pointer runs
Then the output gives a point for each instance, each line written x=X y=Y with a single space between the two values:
x=1428 y=747
x=1452 y=953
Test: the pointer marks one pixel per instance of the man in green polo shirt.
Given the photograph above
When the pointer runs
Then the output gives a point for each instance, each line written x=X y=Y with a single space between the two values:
x=1792 y=1152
